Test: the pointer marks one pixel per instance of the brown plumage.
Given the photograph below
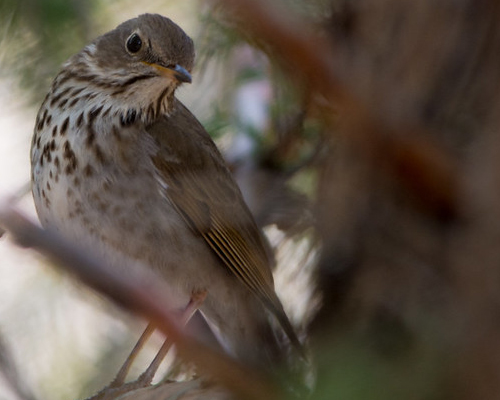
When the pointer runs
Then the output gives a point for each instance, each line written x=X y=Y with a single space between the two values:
x=123 y=168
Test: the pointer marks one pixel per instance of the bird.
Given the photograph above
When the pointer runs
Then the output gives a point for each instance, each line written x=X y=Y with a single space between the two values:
x=122 y=168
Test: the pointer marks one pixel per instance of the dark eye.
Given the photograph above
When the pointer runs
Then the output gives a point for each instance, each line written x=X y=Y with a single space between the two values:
x=134 y=43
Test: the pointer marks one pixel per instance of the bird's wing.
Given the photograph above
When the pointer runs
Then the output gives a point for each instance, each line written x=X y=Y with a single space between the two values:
x=210 y=202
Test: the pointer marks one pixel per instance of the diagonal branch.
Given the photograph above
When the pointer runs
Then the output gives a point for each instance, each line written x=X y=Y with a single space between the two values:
x=142 y=295
x=411 y=158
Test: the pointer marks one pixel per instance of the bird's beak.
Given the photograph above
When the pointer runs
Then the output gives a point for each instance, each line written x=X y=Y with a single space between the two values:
x=176 y=72
x=181 y=74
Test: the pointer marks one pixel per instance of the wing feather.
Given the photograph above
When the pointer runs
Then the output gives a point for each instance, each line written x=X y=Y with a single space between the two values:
x=210 y=202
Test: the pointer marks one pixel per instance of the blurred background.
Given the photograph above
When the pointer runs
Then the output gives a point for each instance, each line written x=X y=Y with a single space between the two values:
x=364 y=136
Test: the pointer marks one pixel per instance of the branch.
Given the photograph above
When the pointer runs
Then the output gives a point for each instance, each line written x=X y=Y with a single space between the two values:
x=412 y=158
x=142 y=295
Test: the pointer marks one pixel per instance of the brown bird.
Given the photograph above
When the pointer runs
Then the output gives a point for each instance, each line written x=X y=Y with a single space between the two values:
x=121 y=167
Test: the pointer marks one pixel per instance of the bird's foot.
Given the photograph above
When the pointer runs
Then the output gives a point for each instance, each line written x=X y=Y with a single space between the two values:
x=112 y=392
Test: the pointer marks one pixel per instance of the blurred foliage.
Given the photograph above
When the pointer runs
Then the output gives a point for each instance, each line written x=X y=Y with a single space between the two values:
x=38 y=35
x=396 y=290
x=290 y=136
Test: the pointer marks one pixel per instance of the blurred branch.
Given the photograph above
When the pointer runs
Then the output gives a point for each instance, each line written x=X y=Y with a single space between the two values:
x=413 y=159
x=139 y=294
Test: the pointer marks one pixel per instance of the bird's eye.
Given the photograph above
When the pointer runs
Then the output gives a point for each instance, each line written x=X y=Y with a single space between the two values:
x=134 y=43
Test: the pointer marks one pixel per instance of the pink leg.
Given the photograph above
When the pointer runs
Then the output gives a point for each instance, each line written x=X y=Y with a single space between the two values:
x=195 y=302
x=117 y=387
x=122 y=373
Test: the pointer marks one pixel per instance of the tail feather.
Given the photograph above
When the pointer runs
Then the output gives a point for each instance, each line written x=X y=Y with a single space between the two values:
x=279 y=313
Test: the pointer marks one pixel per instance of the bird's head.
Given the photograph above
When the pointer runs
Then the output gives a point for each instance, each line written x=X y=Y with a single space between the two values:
x=148 y=44
x=139 y=64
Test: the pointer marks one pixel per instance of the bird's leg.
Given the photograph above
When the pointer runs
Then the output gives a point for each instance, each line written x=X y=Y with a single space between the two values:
x=195 y=302
x=117 y=387
x=122 y=373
